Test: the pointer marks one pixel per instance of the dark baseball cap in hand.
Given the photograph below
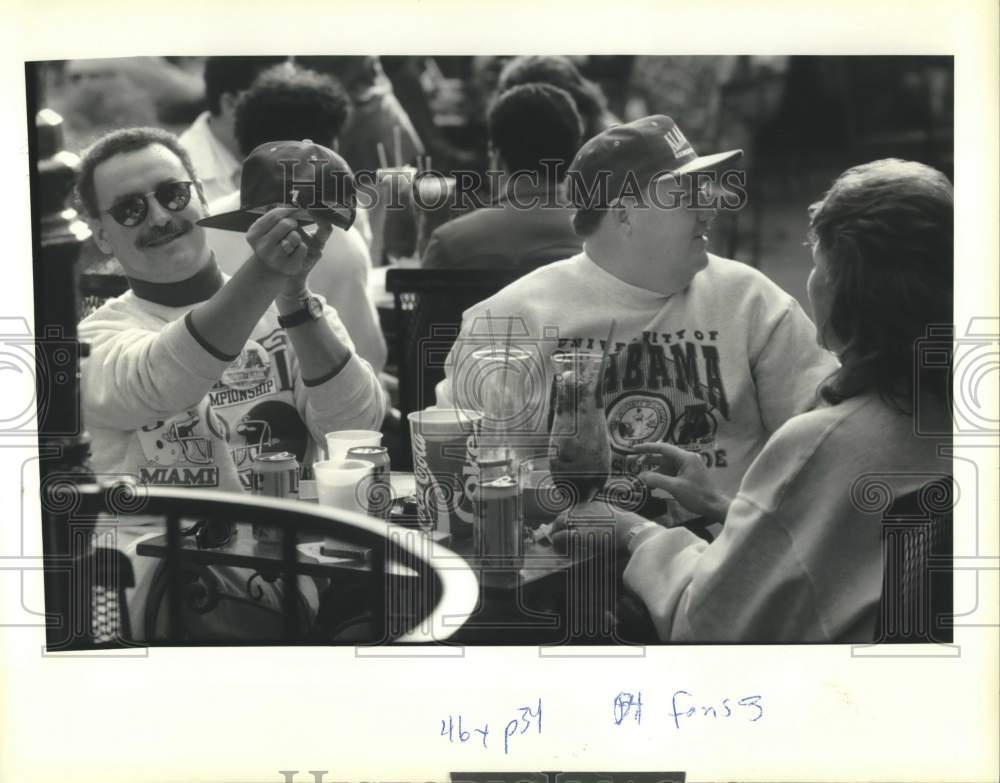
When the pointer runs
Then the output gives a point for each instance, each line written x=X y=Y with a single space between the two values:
x=299 y=174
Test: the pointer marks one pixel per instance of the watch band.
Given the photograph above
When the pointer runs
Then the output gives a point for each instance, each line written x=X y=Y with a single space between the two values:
x=311 y=310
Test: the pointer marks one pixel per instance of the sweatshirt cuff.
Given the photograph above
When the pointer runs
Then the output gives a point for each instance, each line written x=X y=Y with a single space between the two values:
x=314 y=382
x=344 y=383
x=205 y=344
x=188 y=351
x=673 y=538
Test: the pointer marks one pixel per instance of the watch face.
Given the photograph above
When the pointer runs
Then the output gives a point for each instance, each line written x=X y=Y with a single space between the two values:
x=314 y=306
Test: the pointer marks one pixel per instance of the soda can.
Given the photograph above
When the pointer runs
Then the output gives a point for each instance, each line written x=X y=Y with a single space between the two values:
x=499 y=528
x=276 y=476
x=376 y=485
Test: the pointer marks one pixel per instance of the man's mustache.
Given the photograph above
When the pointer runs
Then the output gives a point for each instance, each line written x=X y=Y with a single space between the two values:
x=156 y=233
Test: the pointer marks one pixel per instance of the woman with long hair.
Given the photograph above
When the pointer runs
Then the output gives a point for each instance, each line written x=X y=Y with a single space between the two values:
x=799 y=557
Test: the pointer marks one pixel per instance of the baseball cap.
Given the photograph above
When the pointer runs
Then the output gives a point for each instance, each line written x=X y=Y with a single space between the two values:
x=294 y=174
x=641 y=150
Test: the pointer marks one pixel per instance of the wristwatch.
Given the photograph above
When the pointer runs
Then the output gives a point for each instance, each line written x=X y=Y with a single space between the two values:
x=311 y=310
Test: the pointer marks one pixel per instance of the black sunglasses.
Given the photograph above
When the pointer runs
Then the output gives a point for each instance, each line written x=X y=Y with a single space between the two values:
x=131 y=210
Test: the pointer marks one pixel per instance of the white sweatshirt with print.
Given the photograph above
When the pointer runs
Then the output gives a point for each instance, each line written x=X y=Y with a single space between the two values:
x=160 y=406
x=716 y=367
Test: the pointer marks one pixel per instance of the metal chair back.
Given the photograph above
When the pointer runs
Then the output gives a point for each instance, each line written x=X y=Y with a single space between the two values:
x=916 y=604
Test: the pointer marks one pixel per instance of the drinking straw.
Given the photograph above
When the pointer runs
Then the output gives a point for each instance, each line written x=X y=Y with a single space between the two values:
x=604 y=359
x=503 y=388
x=489 y=327
x=427 y=161
x=382 y=160
x=397 y=145
x=506 y=363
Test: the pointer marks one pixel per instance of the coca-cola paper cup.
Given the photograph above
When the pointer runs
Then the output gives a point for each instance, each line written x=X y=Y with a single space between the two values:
x=445 y=467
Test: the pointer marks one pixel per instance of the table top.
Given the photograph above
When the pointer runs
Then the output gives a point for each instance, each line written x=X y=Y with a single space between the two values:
x=533 y=601
x=244 y=551
x=540 y=560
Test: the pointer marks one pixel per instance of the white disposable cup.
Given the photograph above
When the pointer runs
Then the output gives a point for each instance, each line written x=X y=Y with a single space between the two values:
x=337 y=484
x=338 y=443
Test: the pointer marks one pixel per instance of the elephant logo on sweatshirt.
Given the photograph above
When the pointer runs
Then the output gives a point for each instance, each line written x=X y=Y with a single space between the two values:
x=250 y=369
x=165 y=443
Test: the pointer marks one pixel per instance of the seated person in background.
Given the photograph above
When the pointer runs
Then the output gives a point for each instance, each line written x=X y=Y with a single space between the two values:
x=376 y=111
x=799 y=558
x=708 y=353
x=377 y=117
x=97 y=94
x=211 y=141
x=561 y=72
x=534 y=134
x=289 y=103
x=192 y=373
x=407 y=75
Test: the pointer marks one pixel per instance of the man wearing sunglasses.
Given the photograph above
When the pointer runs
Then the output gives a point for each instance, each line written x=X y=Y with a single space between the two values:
x=179 y=364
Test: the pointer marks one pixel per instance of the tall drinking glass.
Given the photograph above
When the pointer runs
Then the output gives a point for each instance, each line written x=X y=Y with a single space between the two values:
x=579 y=450
x=501 y=388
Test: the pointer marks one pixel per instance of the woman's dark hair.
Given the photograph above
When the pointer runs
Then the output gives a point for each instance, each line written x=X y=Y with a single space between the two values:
x=120 y=142
x=559 y=72
x=290 y=103
x=532 y=123
x=885 y=230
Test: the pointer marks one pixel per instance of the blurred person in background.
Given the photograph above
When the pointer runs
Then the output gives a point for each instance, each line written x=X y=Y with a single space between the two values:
x=376 y=111
x=377 y=118
x=96 y=95
x=563 y=73
x=534 y=133
x=799 y=559
x=408 y=76
x=291 y=103
x=211 y=139
x=682 y=86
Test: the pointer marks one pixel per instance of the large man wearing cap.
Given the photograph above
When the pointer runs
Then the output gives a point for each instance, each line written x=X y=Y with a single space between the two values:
x=707 y=353
x=190 y=373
